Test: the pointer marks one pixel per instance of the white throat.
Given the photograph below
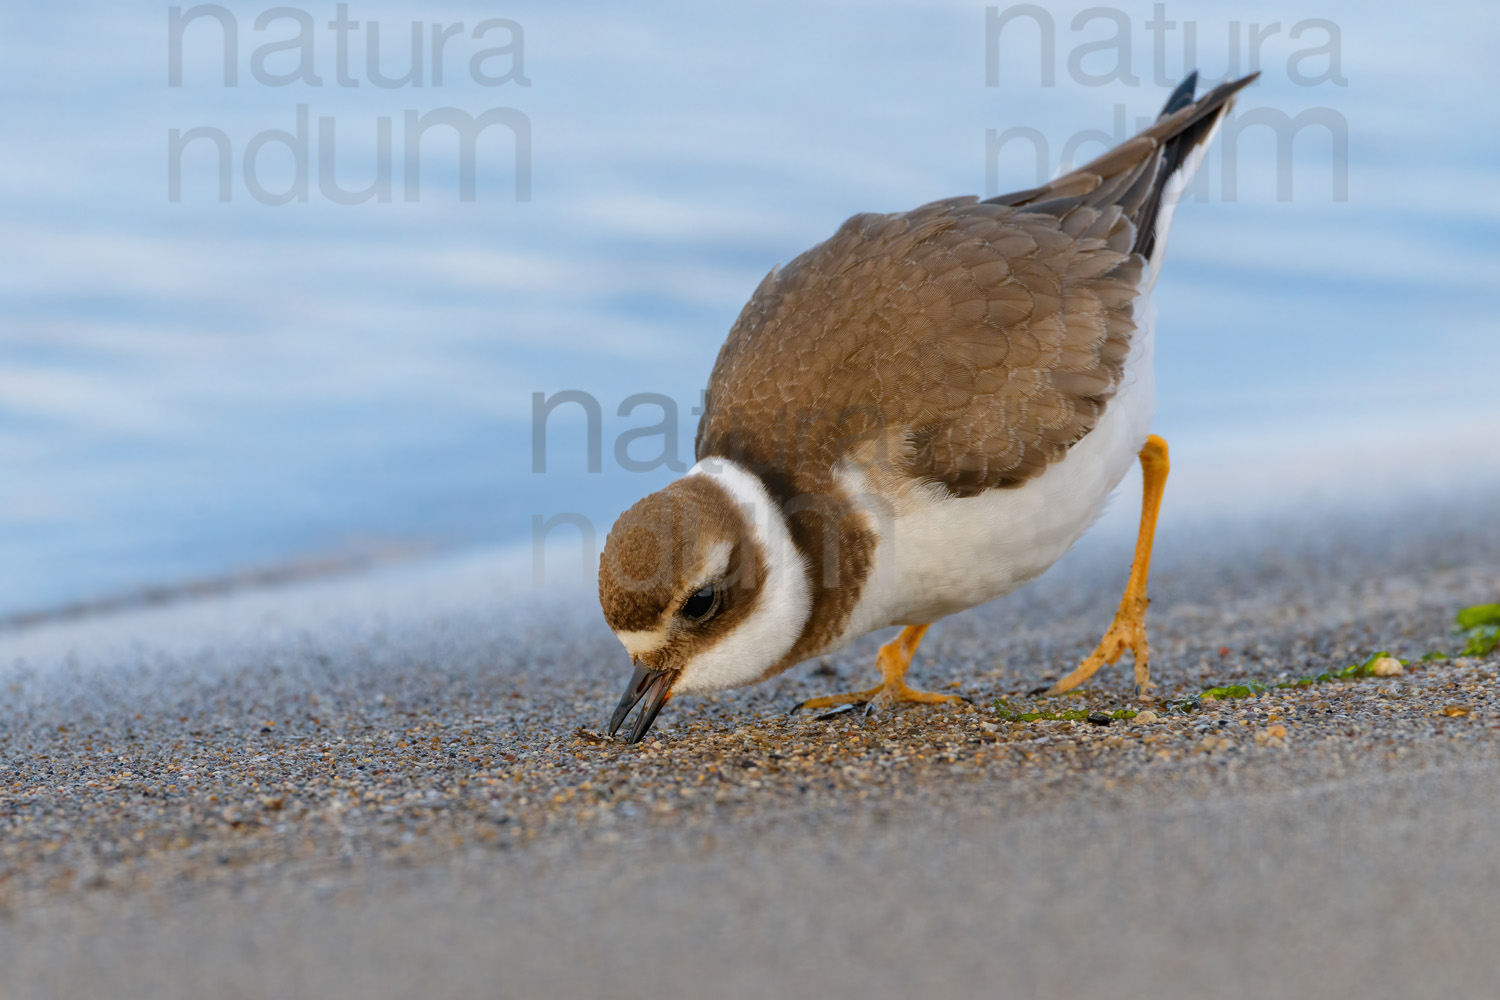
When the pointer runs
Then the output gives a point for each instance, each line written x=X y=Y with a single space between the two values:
x=772 y=628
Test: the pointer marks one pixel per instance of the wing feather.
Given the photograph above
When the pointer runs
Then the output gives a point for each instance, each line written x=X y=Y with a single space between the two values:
x=966 y=343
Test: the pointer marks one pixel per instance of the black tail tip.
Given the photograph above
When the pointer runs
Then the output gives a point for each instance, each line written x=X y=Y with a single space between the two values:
x=1182 y=96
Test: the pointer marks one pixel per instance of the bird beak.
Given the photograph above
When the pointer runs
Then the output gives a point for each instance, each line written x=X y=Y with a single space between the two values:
x=655 y=686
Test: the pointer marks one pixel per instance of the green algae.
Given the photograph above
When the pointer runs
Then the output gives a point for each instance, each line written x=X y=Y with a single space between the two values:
x=1478 y=615
x=1481 y=641
x=1481 y=629
x=1227 y=692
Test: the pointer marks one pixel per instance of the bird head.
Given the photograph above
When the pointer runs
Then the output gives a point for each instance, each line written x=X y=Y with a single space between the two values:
x=701 y=583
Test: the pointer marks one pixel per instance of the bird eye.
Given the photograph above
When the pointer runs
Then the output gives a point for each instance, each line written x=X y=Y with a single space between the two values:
x=702 y=604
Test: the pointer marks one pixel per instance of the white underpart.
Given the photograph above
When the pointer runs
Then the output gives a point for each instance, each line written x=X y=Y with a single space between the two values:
x=768 y=633
x=938 y=554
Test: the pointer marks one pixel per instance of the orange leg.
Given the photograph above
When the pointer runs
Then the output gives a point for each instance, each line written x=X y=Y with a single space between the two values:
x=1129 y=628
x=894 y=659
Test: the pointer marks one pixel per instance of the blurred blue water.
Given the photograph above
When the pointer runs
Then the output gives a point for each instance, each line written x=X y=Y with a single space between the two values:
x=191 y=388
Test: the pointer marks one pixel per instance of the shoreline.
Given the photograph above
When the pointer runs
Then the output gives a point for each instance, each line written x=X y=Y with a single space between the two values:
x=1221 y=480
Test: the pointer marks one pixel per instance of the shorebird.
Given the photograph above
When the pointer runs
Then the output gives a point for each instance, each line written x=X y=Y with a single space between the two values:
x=918 y=415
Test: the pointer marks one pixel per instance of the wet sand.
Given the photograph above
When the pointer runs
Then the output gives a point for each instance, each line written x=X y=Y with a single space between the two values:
x=396 y=785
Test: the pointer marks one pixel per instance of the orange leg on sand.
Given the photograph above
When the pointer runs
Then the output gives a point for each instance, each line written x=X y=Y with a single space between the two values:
x=894 y=659
x=1129 y=628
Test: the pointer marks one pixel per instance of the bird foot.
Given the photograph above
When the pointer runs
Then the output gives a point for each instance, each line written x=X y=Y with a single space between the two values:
x=1128 y=631
x=893 y=659
x=886 y=695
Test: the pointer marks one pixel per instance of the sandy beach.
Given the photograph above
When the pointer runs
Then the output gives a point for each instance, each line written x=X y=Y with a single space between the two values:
x=396 y=784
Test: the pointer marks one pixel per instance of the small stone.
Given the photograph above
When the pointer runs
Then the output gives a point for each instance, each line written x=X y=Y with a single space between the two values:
x=1271 y=735
x=1100 y=719
x=1386 y=666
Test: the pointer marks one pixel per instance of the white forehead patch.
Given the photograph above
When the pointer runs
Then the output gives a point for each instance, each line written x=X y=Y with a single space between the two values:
x=642 y=643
